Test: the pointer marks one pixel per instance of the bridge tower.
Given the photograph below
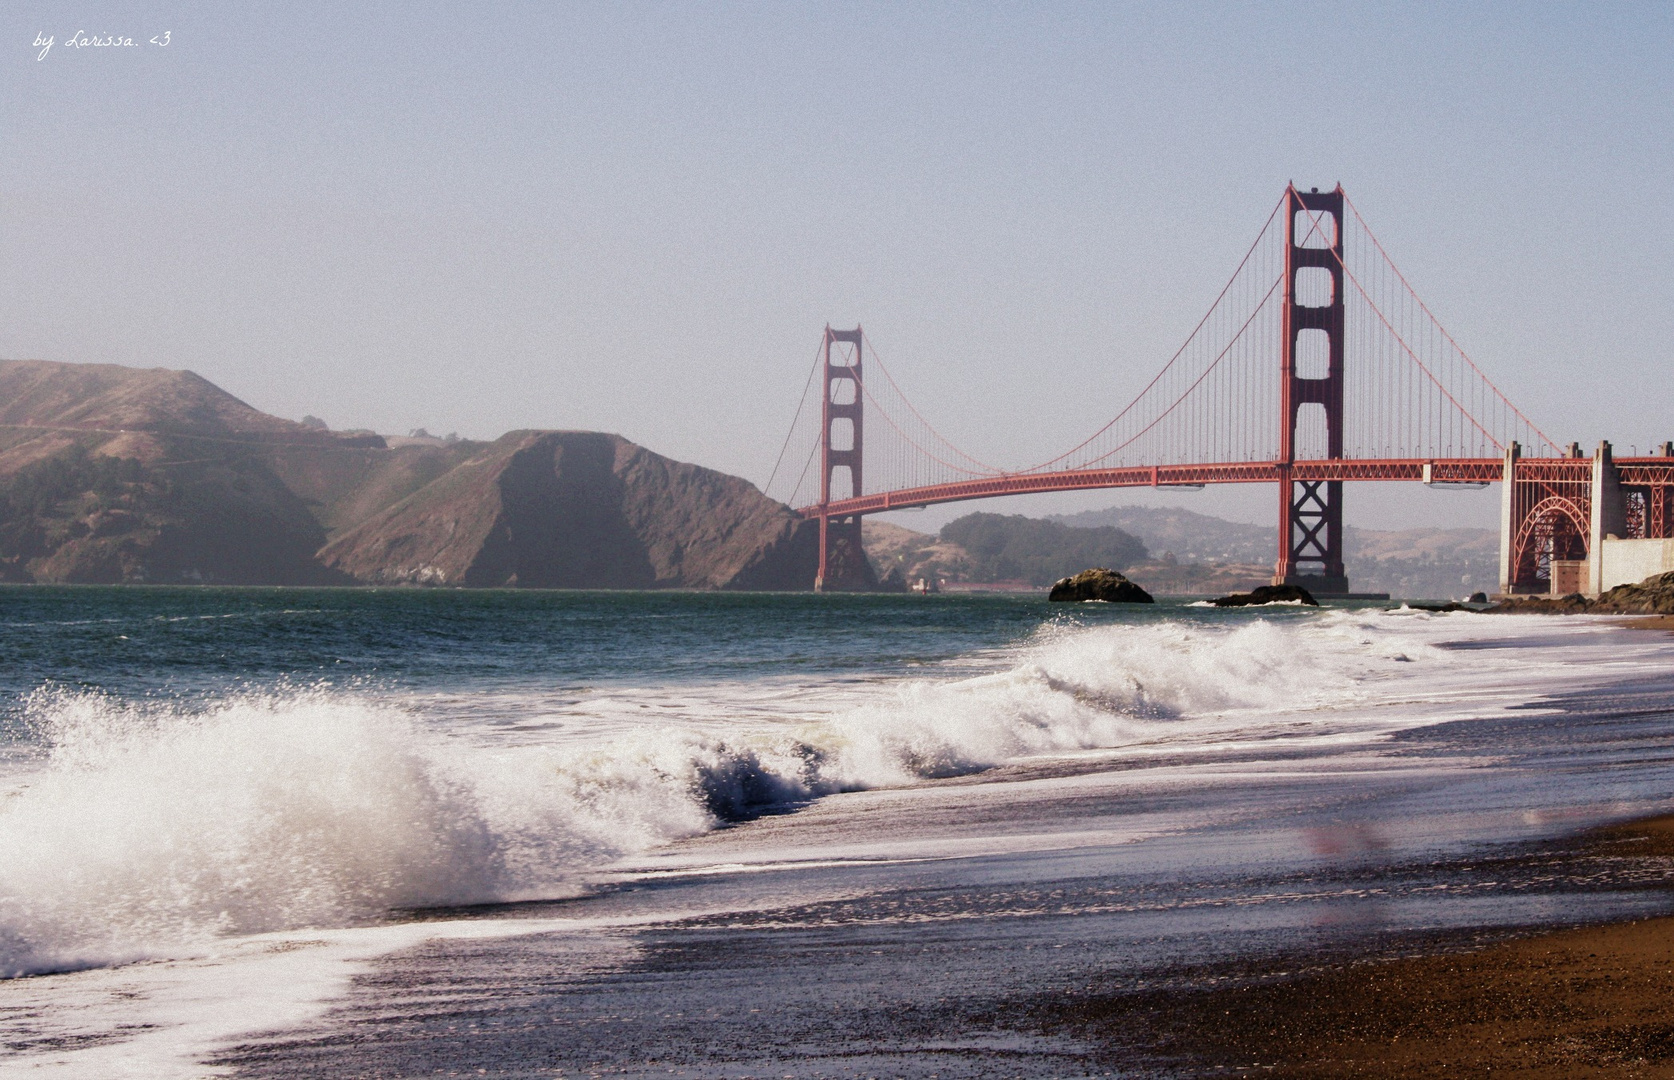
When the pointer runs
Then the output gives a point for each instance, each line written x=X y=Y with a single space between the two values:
x=1311 y=373
x=842 y=557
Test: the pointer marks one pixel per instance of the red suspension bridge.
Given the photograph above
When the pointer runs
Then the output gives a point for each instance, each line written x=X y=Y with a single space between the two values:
x=1316 y=365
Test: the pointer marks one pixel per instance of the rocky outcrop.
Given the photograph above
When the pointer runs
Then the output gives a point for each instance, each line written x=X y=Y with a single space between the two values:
x=572 y=509
x=1099 y=584
x=1268 y=594
x=1652 y=596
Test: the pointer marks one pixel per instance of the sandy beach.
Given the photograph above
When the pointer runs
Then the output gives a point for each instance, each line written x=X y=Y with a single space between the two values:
x=1572 y=1002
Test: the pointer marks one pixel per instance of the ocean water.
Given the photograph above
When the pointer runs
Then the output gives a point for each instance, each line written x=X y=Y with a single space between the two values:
x=233 y=821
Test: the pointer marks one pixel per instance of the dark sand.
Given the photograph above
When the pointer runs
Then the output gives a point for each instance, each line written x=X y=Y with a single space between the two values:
x=1579 y=1002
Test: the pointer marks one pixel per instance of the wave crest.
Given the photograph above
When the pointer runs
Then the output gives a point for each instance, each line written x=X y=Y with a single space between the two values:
x=145 y=826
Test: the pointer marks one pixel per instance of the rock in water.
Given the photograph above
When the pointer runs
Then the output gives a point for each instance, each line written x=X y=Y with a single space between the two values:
x=1099 y=584
x=1267 y=594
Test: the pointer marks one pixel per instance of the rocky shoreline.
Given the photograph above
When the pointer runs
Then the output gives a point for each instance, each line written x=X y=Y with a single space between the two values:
x=1653 y=596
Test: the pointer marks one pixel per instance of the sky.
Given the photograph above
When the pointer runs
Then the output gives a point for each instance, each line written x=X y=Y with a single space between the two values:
x=638 y=218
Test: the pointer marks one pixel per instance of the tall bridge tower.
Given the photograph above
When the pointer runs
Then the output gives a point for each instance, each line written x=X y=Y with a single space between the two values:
x=842 y=556
x=1311 y=378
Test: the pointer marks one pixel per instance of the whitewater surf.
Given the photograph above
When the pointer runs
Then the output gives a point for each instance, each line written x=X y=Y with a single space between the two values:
x=343 y=780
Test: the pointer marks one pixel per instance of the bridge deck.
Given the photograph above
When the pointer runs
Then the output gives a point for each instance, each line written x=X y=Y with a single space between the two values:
x=1442 y=471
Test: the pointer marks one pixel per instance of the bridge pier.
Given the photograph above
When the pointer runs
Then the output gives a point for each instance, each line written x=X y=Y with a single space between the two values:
x=843 y=564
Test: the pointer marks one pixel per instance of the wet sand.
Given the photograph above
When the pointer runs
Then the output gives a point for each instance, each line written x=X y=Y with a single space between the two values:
x=1124 y=959
x=1295 y=907
x=1576 y=1002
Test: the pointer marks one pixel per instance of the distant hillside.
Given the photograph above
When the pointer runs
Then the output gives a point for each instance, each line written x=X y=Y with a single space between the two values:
x=912 y=556
x=113 y=474
x=1414 y=563
x=909 y=556
x=1423 y=563
x=1192 y=537
x=580 y=510
x=994 y=548
x=1002 y=547
x=110 y=398
x=1194 y=554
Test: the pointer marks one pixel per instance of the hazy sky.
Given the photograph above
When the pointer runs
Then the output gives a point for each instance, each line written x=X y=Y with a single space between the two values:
x=638 y=217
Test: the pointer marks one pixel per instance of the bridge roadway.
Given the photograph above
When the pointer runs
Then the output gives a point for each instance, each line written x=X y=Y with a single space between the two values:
x=1440 y=471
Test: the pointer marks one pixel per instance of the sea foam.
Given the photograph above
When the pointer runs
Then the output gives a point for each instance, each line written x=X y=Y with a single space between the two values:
x=146 y=828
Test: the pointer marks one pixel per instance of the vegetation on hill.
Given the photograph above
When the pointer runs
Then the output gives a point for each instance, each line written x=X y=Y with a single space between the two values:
x=39 y=488
x=76 y=516
x=907 y=556
x=1010 y=547
x=1190 y=536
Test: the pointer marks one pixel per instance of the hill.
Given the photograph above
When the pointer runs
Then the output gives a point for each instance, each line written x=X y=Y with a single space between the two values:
x=44 y=396
x=114 y=474
x=1414 y=563
x=1435 y=564
x=579 y=510
x=998 y=549
x=910 y=556
x=1194 y=554
x=1036 y=551
x=1192 y=537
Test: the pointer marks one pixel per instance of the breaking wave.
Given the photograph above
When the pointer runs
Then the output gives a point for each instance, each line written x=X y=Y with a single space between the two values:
x=146 y=828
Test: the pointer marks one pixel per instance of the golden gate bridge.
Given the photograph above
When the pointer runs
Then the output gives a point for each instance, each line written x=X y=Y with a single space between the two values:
x=1316 y=365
